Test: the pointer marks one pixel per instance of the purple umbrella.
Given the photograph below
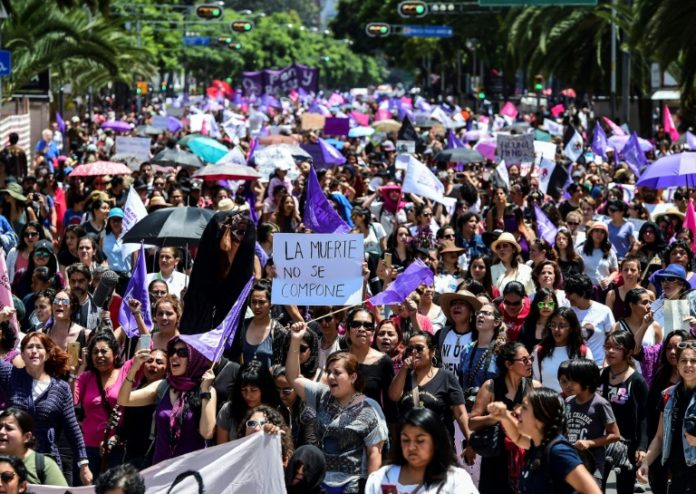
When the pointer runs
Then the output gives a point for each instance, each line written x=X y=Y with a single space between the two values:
x=117 y=126
x=675 y=170
x=174 y=124
x=324 y=154
x=618 y=142
x=487 y=149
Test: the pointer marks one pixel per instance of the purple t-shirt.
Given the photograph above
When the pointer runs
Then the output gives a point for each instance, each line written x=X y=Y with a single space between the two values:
x=189 y=440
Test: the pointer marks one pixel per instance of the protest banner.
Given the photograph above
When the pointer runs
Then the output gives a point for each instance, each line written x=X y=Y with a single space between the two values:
x=408 y=147
x=160 y=122
x=251 y=465
x=295 y=76
x=515 y=149
x=313 y=121
x=335 y=126
x=317 y=269
x=134 y=146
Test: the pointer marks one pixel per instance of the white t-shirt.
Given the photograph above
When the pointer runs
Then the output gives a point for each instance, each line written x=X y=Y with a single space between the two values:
x=458 y=481
x=452 y=348
x=176 y=282
x=548 y=377
x=596 y=266
x=324 y=354
x=596 y=322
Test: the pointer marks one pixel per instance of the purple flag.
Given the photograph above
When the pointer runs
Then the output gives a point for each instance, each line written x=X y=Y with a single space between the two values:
x=60 y=122
x=633 y=154
x=137 y=289
x=212 y=343
x=547 y=230
x=319 y=214
x=599 y=141
x=453 y=142
x=252 y=149
x=691 y=140
x=334 y=126
x=415 y=274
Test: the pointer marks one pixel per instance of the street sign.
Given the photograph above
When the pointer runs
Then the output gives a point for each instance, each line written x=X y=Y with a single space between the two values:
x=5 y=63
x=196 y=40
x=427 y=31
x=535 y=3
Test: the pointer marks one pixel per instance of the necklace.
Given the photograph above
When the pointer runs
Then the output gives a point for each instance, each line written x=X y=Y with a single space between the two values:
x=614 y=375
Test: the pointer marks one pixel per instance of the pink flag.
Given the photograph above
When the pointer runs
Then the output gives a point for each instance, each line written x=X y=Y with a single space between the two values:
x=335 y=100
x=509 y=110
x=690 y=222
x=6 y=291
x=362 y=119
x=615 y=129
x=407 y=102
x=204 y=128
x=294 y=96
x=668 y=124
x=382 y=114
x=557 y=110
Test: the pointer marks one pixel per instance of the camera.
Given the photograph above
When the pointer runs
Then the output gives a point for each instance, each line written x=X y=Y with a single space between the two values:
x=35 y=197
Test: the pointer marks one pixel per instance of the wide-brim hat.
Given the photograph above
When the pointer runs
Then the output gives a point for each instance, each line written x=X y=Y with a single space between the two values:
x=15 y=190
x=669 y=212
x=446 y=300
x=598 y=225
x=158 y=202
x=673 y=271
x=506 y=238
x=449 y=246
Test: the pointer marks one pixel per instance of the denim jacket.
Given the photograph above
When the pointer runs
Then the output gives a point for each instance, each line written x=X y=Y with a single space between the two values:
x=689 y=451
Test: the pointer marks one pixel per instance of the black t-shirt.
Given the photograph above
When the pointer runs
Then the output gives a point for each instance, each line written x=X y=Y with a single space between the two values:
x=628 y=401
x=562 y=459
x=378 y=377
x=439 y=394
x=676 y=452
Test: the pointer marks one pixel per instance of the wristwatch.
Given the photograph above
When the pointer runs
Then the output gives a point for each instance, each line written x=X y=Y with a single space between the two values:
x=205 y=395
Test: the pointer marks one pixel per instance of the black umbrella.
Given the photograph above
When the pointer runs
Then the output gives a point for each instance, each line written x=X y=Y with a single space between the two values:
x=177 y=157
x=459 y=155
x=148 y=130
x=177 y=227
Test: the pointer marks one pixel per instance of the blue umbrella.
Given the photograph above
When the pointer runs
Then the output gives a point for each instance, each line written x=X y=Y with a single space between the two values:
x=361 y=132
x=207 y=149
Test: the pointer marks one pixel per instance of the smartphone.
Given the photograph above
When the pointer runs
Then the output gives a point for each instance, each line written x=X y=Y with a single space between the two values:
x=389 y=489
x=144 y=342
x=74 y=353
x=388 y=259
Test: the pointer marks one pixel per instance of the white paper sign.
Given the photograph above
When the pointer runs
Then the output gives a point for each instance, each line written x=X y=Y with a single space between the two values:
x=515 y=149
x=160 y=122
x=134 y=146
x=676 y=314
x=420 y=180
x=317 y=269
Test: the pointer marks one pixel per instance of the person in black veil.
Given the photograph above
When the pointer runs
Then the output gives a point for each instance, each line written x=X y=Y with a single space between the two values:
x=305 y=471
x=223 y=265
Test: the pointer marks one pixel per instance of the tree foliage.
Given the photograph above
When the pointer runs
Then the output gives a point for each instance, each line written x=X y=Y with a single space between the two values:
x=306 y=9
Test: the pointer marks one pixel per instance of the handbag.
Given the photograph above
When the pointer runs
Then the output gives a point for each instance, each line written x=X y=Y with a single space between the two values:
x=487 y=442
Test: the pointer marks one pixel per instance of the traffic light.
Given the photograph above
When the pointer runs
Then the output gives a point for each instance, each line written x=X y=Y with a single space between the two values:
x=209 y=11
x=225 y=40
x=235 y=46
x=242 y=26
x=413 y=9
x=378 y=30
x=141 y=87
x=538 y=83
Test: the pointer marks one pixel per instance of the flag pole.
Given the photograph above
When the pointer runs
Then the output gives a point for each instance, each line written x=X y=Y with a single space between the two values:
x=334 y=312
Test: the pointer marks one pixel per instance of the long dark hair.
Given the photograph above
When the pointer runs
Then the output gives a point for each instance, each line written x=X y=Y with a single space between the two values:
x=664 y=369
x=589 y=246
x=22 y=245
x=107 y=337
x=443 y=453
x=570 y=252
x=24 y=420
x=529 y=327
x=574 y=343
x=487 y=280
x=253 y=373
x=548 y=408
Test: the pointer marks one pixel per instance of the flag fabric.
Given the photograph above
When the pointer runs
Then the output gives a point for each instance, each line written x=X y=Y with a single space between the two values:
x=599 y=141
x=212 y=343
x=552 y=178
x=252 y=149
x=137 y=289
x=573 y=147
x=441 y=116
x=691 y=140
x=453 y=142
x=615 y=129
x=133 y=211
x=382 y=114
x=668 y=123
x=6 y=292
x=546 y=229
x=554 y=128
x=502 y=171
x=60 y=122
x=690 y=222
x=407 y=132
x=557 y=110
x=361 y=119
x=633 y=154
x=509 y=110
x=415 y=274
x=319 y=214
x=420 y=180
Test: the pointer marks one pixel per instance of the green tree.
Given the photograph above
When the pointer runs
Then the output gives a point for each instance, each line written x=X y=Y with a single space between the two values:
x=306 y=9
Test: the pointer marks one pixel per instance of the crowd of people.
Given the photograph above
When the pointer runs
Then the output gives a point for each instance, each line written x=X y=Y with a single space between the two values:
x=528 y=363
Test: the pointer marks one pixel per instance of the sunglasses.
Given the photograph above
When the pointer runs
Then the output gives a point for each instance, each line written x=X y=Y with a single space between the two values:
x=671 y=279
x=525 y=360
x=686 y=344
x=41 y=254
x=546 y=305
x=7 y=477
x=255 y=424
x=511 y=303
x=362 y=324
x=31 y=234
x=451 y=235
x=61 y=301
x=285 y=391
x=573 y=223
x=416 y=348
x=181 y=352
x=485 y=313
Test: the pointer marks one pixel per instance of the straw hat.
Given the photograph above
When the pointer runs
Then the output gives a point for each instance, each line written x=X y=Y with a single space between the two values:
x=449 y=246
x=669 y=212
x=157 y=202
x=506 y=238
x=446 y=300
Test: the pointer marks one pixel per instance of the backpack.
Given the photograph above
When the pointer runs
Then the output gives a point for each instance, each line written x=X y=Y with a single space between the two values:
x=41 y=467
x=583 y=353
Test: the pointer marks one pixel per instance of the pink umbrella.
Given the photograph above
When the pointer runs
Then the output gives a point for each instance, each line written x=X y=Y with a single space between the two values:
x=227 y=171
x=100 y=168
x=487 y=149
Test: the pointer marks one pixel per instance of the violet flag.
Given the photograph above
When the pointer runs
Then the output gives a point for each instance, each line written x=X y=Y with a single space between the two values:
x=319 y=214
x=691 y=140
x=415 y=274
x=60 y=122
x=212 y=343
x=137 y=289
x=546 y=229
x=453 y=142
x=633 y=154
x=690 y=222
x=6 y=292
x=599 y=141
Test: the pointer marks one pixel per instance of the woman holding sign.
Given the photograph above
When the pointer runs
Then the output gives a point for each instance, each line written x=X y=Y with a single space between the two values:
x=350 y=426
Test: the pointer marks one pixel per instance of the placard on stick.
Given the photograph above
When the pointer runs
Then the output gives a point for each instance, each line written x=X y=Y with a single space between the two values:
x=317 y=269
x=515 y=149
x=313 y=121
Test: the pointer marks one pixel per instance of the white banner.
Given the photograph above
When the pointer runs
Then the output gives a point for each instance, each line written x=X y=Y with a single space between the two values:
x=420 y=180
x=251 y=465
x=545 y=149
x=134 y=146
x=515 y=149
x=317 y=269
x=133 y=211
x=21 y=124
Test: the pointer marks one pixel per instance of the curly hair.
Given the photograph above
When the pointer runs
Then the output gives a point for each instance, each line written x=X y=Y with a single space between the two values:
x=56 y=363
x=274 y=417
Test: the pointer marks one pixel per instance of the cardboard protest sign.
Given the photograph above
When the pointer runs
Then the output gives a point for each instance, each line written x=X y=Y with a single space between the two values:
x=313 y=121
x=317 y=269
x=515 y=149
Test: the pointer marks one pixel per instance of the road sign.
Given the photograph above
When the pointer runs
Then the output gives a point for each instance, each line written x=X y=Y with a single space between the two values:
x=196 y=40
x=427 y=31
x=5 y=63
x=535 y=3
